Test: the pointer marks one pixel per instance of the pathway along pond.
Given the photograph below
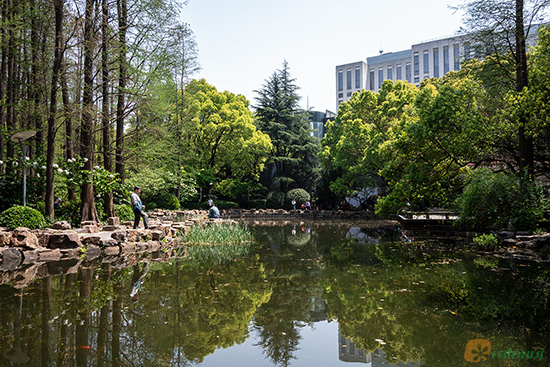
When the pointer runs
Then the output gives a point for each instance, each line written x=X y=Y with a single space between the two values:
x=307 y=295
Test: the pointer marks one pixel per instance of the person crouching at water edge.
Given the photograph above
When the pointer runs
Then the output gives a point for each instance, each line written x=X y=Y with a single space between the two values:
x=213 y=212
x=138 y=208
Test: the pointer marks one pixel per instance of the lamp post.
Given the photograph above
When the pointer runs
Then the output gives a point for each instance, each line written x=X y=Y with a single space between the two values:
x=20 y=138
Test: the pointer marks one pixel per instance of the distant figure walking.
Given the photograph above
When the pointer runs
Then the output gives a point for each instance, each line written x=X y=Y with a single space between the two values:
x=293 y=202
x=308 y=205
x=210 y=202
x=138 y=208
x=214 y=212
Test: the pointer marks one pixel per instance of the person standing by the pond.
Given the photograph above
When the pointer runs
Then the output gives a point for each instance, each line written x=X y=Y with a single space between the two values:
x=210 y=202
x=308 y=205
x=138 y=208
x=293 y=202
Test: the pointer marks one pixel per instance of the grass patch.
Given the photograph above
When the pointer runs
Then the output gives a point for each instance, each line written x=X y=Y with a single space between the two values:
x=217 y=243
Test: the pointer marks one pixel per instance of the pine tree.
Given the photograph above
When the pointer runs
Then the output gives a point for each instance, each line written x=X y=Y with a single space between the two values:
x=278 y=114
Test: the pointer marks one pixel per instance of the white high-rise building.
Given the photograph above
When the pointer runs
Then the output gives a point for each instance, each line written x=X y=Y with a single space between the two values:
x=429 y=59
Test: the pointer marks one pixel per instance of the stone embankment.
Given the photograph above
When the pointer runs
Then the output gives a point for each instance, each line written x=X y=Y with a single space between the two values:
x=26 y=253
x=523 y=246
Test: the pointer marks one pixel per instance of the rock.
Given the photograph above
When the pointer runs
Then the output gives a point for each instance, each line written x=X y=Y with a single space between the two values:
x=505 y=234
x=121 y=236
x=91 y=228
x=23 y=237
x=113 y=221
x=111 y=250
x=5 y=238
x=157 y=235
x=30 y=257
x=11 y=258
x=108 y=242
x=49 y=255
x=134 y=235
x=111 y=228
x=62 y=225
x=508 y=242
x=91 y=240
x=21 y=278
x=88 y=223
x=64 y=240
x=92 y=252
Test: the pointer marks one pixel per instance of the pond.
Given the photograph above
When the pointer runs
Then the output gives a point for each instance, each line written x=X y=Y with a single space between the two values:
x=307 y=295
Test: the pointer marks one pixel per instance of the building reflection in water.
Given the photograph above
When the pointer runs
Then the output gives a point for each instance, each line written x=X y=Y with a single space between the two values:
x=348 y=352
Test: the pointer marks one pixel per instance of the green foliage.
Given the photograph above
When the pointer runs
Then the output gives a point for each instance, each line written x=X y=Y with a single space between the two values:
x=278 y=114
x=124 y=212
x=275 y=200
x=220 y=136
x=22 y=216
x=486 y=242
x=217 y=242
x=257 y=204
x=300 y=195
x=223 y=204
x=70 y=211
x=492 y=200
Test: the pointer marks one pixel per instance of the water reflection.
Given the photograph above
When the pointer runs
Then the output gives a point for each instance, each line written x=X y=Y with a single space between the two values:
x=311 y=295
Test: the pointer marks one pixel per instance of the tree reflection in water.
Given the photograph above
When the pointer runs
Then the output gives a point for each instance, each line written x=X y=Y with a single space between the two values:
x=406 y=301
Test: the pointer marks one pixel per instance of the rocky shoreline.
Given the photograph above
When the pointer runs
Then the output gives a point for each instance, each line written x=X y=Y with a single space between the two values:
x=26 y=254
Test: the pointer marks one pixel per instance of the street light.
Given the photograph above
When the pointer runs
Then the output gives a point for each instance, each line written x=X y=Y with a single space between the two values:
x=19 y=138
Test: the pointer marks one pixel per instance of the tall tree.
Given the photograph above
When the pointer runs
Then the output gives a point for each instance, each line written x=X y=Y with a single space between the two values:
x=279 y=115
x=57 y=65
x=105 y=111
x=501 y=28
x=121 y=92
x=88 y=210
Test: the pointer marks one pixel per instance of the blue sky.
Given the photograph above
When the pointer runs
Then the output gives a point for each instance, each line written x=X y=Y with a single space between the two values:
x=242 y=42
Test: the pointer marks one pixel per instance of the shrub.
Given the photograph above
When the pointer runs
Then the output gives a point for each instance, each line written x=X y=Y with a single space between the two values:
x=257 y=204
x=222 y=204
x=124 y=212
x=489 y=200
x=69 y=211
x=486 y=242
x=22 y=216
x=300 y=195
x=275 y=200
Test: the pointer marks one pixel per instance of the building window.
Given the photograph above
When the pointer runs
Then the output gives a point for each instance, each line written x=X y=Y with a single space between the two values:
x=340 y=80
x=349 y=94
x=348 y=79
x=416 y=61
x=436 y=62
x=426 y=62
x=357 y=78
x=371 y=80
x=456 y=56
x=408 y=74
x=398 y=75
x=446 y=64
x=389 y=75
x=416 y=80
x=380 y=77
x=340 y=95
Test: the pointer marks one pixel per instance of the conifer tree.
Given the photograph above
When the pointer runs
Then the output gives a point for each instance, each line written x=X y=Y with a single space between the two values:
x=278 y=114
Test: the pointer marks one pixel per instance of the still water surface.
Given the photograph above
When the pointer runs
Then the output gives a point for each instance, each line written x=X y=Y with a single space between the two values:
x=308 y=295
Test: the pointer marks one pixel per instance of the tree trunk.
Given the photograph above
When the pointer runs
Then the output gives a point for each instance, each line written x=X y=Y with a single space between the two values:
x=88 y=210
x=105 y=115
x=3 y=66
x=50 y=153
x=10 y=87
x=69 y=134
x=526 y=146
x=122 y=76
